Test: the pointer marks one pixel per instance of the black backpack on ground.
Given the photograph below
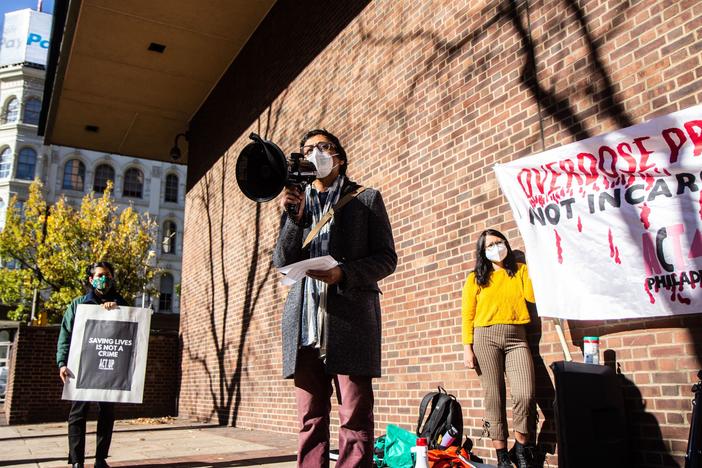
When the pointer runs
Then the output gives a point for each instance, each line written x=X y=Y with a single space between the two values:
x=445 y=413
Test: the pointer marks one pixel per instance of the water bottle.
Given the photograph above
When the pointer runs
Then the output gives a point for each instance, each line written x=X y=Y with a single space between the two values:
x=448 y=437
x=591 y=349
x=420 y=452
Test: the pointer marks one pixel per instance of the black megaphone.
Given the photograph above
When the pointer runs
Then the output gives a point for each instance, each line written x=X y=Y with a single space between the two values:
x=262 y=171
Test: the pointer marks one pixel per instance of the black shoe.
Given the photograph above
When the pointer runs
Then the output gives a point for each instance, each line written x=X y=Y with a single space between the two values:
x=101 y=463
x=503 y=460
x=522 y=455
x=78 y=465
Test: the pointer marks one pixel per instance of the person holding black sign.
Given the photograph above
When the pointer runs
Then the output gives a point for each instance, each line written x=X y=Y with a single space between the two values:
x=331 y=323
x=495 y=315
x=102 y=291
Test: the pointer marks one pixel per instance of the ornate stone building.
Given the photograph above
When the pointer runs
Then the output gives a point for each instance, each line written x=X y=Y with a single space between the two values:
x=153 y=187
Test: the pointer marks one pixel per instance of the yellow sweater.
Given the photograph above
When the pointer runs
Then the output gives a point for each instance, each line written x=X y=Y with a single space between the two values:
x=502 y=301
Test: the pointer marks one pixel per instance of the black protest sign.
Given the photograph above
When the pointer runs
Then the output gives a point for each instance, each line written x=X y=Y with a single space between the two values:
x=107 y=355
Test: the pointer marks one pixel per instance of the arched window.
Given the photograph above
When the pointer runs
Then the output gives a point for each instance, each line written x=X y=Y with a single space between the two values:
x=74 y=175
x=165 y=297
x=11 y=111
x=3 y=211
x=169 y=237
x=171 y=194
x=133 y=183
x=103 y=174
x=5 y=163
x=32 y=108
x=26 y=164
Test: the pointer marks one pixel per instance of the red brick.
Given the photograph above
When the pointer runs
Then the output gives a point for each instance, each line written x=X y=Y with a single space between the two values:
x=425 y=127
x=34 y=389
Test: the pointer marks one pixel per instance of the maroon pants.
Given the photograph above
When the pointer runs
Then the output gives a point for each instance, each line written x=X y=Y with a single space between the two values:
x=313 y=390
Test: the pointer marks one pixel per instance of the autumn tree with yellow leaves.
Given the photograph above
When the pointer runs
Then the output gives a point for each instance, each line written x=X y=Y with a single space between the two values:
x=52 y=245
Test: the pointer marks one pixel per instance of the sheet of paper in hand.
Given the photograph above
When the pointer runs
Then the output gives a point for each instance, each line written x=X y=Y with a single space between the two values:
x=107 y=357
x=296 y=271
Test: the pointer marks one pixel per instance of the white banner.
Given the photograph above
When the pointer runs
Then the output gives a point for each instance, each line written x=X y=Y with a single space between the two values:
x=612 y=224
x=107 y=357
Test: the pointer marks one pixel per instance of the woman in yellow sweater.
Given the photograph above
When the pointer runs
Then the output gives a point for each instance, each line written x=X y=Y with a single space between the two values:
x=494 y=339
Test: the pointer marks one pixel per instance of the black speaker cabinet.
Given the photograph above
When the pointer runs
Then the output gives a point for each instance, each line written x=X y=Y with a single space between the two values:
x=590 y=416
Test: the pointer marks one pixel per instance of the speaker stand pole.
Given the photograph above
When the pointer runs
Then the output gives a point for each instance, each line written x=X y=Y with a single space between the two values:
x=561 y=338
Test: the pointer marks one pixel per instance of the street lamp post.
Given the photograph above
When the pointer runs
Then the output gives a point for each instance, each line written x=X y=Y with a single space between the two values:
x=35 y=296
x=150 y=262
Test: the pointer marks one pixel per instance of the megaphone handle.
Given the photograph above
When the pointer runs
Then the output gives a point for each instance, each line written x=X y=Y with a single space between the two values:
x=292 y=208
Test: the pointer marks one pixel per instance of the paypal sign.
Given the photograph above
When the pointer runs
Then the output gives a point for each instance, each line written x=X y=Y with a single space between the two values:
x=25 y=37
x=35 y=38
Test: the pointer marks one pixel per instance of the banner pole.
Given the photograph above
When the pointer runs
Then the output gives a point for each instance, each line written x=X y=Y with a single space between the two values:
x=561 y=338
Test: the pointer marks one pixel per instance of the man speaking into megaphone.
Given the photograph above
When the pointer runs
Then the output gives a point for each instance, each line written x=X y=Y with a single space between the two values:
x=331 y=322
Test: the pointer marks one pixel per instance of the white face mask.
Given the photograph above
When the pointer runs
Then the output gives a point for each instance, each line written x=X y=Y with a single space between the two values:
x=496 y=253
x=323 y=162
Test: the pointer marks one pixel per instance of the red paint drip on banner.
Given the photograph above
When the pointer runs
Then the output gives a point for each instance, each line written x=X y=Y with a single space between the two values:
x=558 y=247
x=580 y=225
x=684 y=300
x=645 y=212
x=613 y=251
x=700 y=212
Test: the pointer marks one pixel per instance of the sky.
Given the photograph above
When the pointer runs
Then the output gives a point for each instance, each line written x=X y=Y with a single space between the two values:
x=12 y=5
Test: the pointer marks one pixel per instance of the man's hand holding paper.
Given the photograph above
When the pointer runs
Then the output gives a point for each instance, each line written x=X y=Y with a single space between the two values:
x=321 y=268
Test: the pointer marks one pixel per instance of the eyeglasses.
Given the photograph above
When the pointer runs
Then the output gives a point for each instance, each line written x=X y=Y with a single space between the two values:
x=495 y=244
x=322 y=146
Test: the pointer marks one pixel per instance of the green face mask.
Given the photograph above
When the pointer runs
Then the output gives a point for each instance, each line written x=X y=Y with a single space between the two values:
x=102 y=283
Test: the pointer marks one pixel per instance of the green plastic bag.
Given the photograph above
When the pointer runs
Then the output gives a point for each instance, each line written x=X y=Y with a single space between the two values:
x=379 y=452
x=398 y=443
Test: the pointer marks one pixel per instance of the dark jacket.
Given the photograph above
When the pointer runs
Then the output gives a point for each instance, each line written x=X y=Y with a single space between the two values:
x=64 y=339
x=361 y=240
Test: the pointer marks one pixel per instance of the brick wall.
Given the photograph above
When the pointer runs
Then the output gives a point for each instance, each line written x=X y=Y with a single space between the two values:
x=34 y=388
x=427 y=97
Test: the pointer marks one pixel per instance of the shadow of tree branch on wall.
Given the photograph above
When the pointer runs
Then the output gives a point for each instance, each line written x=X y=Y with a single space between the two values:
x=611 y=105
x=540 y=83
x=558 y=107
x=250 y=301
x=224 y=383
x=200 y=359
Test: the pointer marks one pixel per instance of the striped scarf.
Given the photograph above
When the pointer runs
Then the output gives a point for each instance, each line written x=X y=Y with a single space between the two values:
x=314 y=302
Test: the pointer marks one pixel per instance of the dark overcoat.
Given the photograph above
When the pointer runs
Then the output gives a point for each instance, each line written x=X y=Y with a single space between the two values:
x=361 y=240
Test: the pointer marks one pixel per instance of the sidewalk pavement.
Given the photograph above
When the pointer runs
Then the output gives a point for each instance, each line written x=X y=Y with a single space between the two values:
x=151 y=443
